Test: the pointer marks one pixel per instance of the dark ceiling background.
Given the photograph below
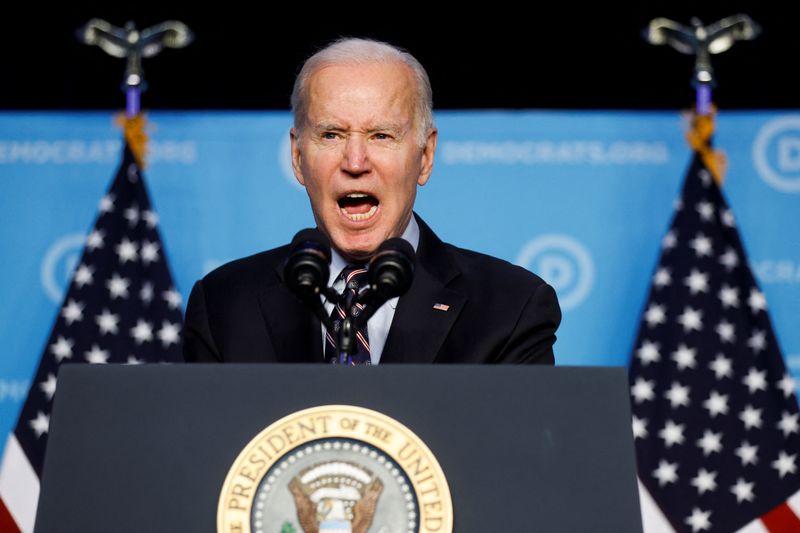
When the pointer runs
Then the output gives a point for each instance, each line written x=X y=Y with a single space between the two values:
x=527 y=56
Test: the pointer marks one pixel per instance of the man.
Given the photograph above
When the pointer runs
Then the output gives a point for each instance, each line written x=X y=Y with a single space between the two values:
x=363 y=140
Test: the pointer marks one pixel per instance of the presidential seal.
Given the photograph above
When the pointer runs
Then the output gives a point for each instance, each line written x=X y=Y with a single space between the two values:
x=335 y=469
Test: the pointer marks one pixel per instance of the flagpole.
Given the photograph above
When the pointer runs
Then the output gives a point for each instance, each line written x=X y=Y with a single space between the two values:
x=132 y=101
x=701 y=42
x=134 y=45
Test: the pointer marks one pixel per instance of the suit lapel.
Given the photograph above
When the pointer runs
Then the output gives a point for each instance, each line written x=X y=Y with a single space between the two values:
x=294 y=331
x=426 y=314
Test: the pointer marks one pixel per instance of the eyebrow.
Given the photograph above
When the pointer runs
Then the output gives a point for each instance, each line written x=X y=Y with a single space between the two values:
x=332 y=126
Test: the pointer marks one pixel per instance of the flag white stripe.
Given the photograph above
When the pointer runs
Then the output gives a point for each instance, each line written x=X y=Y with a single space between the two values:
x=653 y=520
x=754 y=527
x=794 y=503
x=19 y=485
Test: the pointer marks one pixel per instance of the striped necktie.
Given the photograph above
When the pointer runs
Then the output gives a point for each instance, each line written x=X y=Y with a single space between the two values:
x=354 y=277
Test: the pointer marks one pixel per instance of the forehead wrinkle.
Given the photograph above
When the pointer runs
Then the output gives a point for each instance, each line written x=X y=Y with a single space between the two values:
x=392 y=127
x=399 y=101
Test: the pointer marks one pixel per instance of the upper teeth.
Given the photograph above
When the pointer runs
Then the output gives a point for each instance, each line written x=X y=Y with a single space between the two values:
x=356 y=195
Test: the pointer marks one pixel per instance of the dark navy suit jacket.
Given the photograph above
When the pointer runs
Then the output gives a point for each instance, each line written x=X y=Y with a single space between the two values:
x=496 y=312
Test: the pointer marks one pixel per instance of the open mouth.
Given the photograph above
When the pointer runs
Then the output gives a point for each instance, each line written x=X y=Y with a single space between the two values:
x=358 y=205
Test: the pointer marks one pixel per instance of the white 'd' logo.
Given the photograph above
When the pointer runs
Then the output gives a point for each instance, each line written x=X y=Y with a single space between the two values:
x=59 y=263
x=776 y=153
x=564 y=263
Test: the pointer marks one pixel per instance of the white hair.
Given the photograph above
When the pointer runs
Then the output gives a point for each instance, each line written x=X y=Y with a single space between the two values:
x=354 y=51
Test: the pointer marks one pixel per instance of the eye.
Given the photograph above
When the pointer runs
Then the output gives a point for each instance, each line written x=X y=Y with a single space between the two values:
x=382 y=136
x=329 y=135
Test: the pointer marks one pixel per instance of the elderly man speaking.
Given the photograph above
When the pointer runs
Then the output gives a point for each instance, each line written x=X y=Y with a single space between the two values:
x=363 y=141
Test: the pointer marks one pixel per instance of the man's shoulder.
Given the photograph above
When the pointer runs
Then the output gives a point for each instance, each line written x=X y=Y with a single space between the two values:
x=257 y=269
x=486 y=269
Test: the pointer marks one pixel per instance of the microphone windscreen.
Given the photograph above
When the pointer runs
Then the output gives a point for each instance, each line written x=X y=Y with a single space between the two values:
x=314 y=238
x=391 y=269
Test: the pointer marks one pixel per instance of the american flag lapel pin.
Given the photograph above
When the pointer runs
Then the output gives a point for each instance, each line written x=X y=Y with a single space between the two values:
x=441 y=307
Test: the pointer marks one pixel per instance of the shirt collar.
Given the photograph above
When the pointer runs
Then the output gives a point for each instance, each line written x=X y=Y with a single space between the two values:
x=410 y=234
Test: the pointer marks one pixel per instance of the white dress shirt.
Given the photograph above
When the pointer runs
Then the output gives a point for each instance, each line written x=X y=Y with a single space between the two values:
x=379 y=324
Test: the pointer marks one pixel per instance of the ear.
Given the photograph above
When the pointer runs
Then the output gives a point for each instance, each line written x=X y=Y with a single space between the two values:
x=296 y=167
x=428 y=150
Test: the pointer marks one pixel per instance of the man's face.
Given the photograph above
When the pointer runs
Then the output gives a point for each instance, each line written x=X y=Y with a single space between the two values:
x=358 y=154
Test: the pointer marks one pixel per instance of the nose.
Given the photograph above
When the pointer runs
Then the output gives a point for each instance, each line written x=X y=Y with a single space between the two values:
x=355 y=160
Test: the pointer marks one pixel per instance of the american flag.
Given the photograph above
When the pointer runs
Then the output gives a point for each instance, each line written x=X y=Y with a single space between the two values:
x=121 y=307
x=715 y=418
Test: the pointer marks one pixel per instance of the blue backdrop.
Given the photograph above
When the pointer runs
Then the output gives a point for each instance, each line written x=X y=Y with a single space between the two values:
x=581 y=198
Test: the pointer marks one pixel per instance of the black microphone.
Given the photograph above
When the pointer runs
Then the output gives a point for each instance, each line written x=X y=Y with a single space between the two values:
x=307 y=272
x=390 y=271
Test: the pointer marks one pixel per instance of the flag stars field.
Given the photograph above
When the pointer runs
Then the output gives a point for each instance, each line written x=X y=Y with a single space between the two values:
x=666 y=472
x=743 y=490
x=697 y=282
x=107 y=322
x=40 y=424
x=642 y=391
x=788 y=423
x=704 y=481
x=699 y=520
x=662 y=278
x=72 y=312
x=678 y=395
x=701 y=245
x=672 y=434
x=721 y=366
x=729 y=296
x=639 y=427
x=95 y=240
x=150 y=218
x=132 y=215
x=729 y=259
x=169 y=333
x=118 y=286
x=62 y=349
x=143 y=332
x=173 y=298
x=726 y=331
x=48 y=387
x=96 y=355
x=785 y=464
x=127 y=250
x=755 y=380
x=685 y=357
x=710 y=443
x=751 y=417
x=748 y=453
x=655 y=315
x=84 y=275
x=149 y=252
x=757 y=341
x=691 y=319
x=717 y=404
x=648 y=353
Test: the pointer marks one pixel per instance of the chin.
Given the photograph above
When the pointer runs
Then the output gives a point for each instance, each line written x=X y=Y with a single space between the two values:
x=359 y=249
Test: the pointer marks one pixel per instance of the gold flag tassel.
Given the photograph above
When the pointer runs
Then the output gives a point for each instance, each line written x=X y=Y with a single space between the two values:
x=134 y=130
x=701 y=131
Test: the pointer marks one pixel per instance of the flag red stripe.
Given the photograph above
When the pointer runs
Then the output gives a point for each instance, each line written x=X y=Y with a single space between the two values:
x=781 y=519
x=7 y=524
